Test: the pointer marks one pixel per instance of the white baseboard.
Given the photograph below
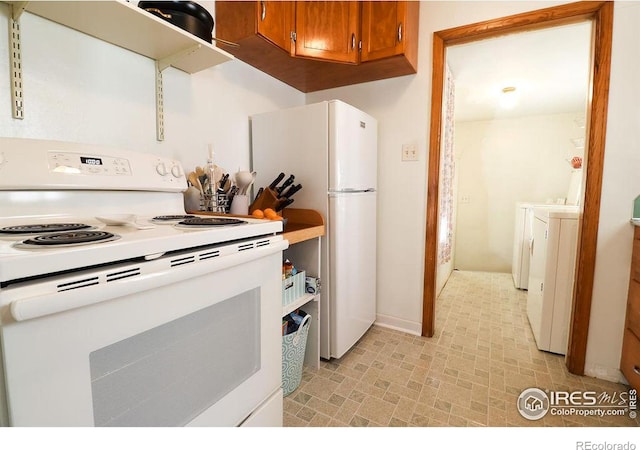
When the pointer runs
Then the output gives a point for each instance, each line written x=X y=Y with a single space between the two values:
x=605 y=373
x=397 y=324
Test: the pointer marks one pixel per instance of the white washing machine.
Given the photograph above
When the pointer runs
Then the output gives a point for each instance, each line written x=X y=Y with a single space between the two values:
x=524 y=224
x=522 y=239
x=551 y=276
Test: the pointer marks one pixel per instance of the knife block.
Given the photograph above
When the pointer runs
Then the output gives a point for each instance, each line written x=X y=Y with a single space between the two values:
x=268 y=199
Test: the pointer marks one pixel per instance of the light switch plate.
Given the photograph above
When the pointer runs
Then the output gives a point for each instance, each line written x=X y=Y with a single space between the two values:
x=409 y=152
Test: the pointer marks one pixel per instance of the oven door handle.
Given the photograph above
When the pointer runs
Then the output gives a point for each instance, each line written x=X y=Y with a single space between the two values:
x=44 y=305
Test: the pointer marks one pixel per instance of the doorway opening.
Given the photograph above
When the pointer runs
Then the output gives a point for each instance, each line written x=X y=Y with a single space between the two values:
x=601 y=16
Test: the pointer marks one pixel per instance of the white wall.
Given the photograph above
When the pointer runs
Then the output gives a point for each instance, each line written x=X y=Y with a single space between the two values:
x=79 y=89
x=499 y=163
x=402 y=108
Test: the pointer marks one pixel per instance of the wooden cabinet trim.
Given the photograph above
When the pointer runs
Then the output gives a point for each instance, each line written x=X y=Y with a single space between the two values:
x=633 y=308
x=635 y=258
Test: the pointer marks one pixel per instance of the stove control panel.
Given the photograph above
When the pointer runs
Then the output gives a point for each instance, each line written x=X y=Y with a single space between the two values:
x=76 y=163
x=66 y=165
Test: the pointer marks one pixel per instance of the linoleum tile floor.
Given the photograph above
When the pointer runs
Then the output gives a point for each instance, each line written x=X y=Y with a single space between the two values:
x=470 y=373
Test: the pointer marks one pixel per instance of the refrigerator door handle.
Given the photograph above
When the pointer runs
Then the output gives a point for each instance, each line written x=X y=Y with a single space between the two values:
x=350 y=191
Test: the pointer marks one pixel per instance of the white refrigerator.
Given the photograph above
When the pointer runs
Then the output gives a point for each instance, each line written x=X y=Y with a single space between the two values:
x=331 y=148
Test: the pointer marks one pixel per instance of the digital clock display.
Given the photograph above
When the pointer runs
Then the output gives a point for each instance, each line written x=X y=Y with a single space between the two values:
x=91 y=161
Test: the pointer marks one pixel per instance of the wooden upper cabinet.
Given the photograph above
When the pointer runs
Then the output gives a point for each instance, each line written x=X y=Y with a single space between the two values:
x=328 y=30
x=327 y=52
x=275 y=21
x=383 y=29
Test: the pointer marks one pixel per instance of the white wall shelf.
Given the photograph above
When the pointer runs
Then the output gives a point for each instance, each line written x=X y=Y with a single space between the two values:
x=125 y=25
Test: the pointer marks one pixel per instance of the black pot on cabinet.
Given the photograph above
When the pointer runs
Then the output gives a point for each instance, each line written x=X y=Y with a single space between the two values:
x=189 y=16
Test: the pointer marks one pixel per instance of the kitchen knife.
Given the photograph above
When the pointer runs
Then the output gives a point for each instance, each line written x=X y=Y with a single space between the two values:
x=288 y=182
x=275 y=182
x=292 y=190
x=284 y=204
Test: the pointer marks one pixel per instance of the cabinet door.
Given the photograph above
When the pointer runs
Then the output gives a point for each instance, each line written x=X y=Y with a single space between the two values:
x=275 y=22
x=383 y=29
x=328 y=30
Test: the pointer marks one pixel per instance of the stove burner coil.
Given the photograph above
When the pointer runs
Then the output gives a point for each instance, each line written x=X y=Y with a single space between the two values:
x=43 y=228
x=170 y=218
x=69 y=238
x=209 y=222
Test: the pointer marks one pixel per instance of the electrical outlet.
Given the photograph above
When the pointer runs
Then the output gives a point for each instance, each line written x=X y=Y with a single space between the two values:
x=409 y=152
x=465 y=199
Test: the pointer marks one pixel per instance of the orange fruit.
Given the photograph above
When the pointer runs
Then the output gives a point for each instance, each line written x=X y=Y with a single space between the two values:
x=270 y=213
x=258 y=214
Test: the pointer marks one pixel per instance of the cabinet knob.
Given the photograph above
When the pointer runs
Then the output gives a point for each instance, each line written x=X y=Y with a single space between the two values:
x=400 y=32
x=636 y=369
x=353 y=41
x=264 y=11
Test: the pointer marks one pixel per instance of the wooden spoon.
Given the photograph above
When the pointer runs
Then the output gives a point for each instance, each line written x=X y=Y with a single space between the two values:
x=195 y=181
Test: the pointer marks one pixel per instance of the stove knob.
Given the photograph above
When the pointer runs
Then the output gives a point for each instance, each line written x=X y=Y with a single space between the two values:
x=176 y=171
x=161 y=168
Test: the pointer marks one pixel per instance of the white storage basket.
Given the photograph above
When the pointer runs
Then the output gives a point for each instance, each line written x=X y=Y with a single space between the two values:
x=293 y=288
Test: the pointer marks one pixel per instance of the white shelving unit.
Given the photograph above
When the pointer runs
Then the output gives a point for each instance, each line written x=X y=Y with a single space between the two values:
x=125 y=25
x=304 y=232
x=305 y=255
x=298 y=303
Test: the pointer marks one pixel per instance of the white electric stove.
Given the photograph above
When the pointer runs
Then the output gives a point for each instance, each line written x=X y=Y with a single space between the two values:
x=160 y=322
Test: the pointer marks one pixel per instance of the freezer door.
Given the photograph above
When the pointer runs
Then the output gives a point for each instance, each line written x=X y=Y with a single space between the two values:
x=352 y=268
x=353 y=149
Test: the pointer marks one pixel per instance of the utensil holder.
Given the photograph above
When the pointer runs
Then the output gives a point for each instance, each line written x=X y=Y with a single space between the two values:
x=192 y=199
x=240 y=205
x=222 y=203
x=217 y=202
x=208 y=202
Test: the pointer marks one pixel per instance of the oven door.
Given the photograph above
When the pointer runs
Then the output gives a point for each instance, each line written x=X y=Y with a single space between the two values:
x=198 y=344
